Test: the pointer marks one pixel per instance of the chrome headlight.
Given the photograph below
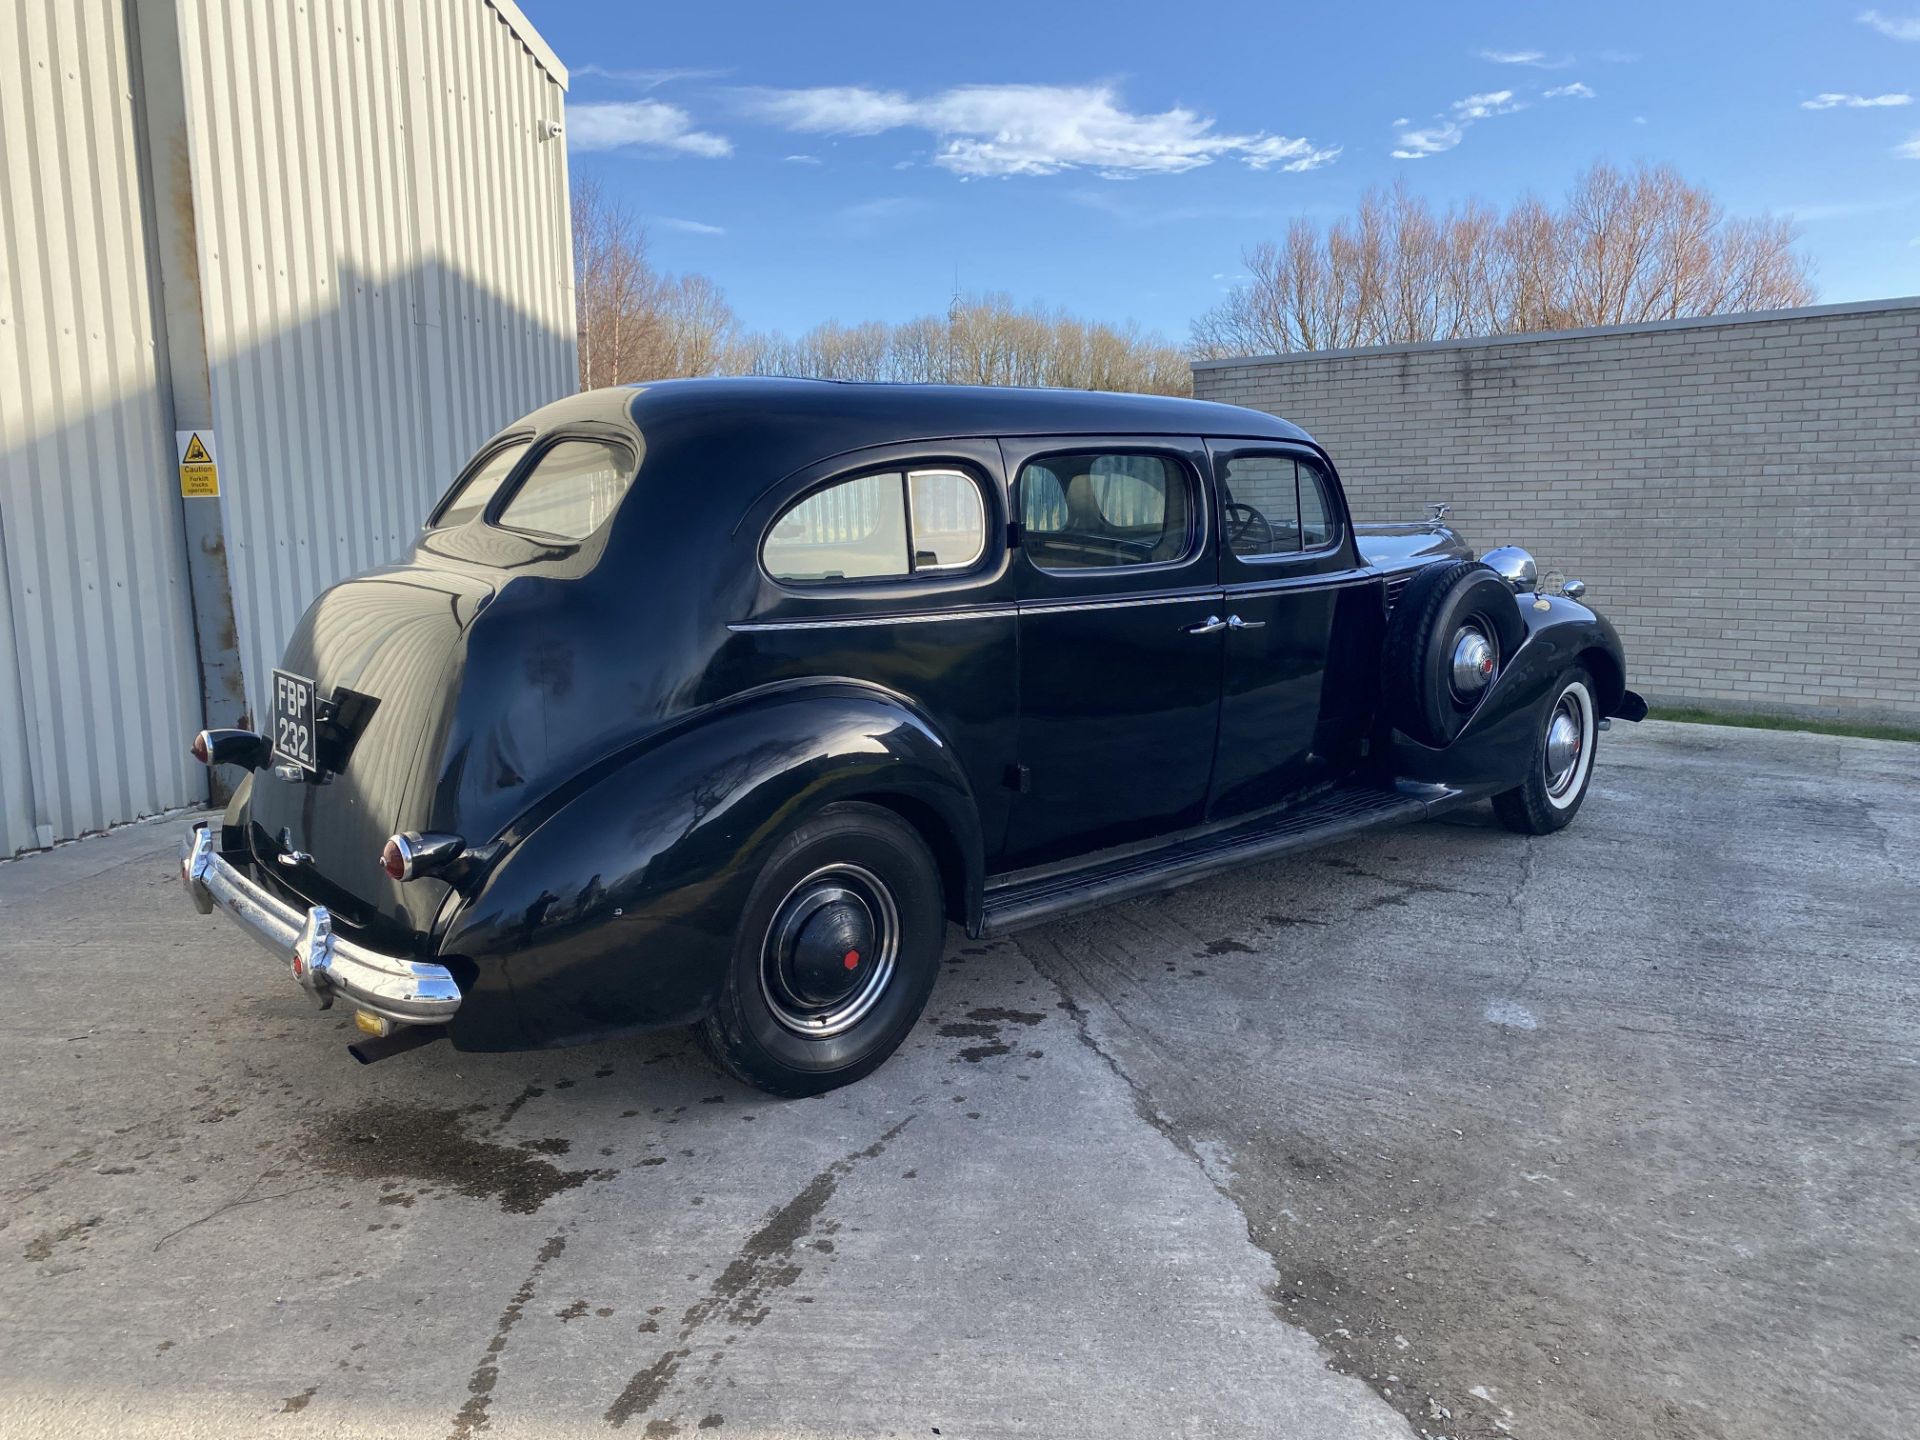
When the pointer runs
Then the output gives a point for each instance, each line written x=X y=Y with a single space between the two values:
x=1515 y=566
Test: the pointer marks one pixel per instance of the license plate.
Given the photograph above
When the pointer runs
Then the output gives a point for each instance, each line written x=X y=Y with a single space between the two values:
x=295 y=720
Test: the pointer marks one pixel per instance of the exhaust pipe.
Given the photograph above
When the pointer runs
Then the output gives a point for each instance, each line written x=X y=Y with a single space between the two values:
x=410 y=1037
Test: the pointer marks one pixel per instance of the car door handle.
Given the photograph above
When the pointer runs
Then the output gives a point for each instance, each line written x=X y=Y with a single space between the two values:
x=1234 y=622
x=1211 y=625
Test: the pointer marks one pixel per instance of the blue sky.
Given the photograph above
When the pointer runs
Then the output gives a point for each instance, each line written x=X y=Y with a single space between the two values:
x=845 y=159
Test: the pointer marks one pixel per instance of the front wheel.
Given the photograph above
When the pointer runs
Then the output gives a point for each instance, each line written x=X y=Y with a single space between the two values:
x=837 y=949
x=1561 y=766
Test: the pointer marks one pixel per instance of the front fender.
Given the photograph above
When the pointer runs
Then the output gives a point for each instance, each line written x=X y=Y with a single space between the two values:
x=1496 y=746
x=615 y=910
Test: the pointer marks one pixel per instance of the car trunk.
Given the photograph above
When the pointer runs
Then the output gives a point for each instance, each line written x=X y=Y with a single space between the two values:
x=385 y=650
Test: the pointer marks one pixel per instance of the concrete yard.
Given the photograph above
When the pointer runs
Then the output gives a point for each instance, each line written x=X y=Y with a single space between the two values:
x=1445 y=1131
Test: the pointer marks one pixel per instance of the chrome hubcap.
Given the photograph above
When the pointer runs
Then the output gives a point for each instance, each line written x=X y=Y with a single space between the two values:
x=830 y=952
x=1474 y=661
x=1565 y=734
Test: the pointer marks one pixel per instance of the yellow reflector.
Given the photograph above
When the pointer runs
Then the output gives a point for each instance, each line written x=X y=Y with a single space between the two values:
x=371 y=1024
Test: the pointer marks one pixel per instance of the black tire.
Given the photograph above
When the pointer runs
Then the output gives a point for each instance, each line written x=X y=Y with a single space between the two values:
x=1550 y=797
x=1440 y=604
x=767 y=1029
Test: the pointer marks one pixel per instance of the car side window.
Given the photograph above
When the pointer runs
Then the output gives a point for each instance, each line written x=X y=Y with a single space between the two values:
x=1318 y=523
x=880 y=527
x=572 y=489
x=480 y=486
x=949 y=518
x=1274 y=505
x=1093 y=510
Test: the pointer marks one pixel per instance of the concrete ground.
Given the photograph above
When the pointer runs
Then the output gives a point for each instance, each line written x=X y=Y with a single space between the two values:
x=1446 y=1131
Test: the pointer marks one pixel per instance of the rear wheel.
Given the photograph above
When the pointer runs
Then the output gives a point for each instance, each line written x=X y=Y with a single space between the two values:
x=837 y=949
x=1561 y=766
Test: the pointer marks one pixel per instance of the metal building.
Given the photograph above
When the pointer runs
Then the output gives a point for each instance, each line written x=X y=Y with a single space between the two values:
x=269 y=270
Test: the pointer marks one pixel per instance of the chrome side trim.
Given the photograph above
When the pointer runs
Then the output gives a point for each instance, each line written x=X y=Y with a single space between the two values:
x=1185 y=597
x=997 y=612
x=1337 y=580
x=839 y=622
x=409 y=992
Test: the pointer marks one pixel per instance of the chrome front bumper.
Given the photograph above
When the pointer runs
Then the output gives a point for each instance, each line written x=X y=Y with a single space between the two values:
x=407 y=992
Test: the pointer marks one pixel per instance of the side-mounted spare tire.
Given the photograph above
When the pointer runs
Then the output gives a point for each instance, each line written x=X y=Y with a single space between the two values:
x=1453 y=632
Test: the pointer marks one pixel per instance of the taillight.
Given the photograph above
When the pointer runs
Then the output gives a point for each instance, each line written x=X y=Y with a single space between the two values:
x=396 y=857
x=410 y=854
x=230 y=747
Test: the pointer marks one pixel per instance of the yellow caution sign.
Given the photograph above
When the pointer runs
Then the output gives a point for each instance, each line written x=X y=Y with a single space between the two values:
x=199 y=473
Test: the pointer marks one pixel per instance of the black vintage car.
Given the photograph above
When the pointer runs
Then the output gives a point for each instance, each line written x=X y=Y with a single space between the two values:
x=714 y=702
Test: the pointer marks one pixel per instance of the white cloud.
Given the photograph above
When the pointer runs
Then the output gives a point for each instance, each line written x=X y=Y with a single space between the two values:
x=691 y=227
x=1418 y=144
x=865 y=216
x=1895 y=27
x=1908 y=149
x=803 y=159
x=1639 y=119
x=647 y=79
x=1002 y=130
x=1619 y=57
x=1448 y=128
x=1853 y=102
x=650 y=123
x=1535 y=58
x=1483 y=107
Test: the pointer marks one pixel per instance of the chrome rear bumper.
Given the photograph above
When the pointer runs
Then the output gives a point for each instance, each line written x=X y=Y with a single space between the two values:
x=407 y=992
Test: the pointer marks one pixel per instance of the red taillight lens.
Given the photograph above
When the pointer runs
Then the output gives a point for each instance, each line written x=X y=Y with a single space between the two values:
x=200 y=750
x=393 y=858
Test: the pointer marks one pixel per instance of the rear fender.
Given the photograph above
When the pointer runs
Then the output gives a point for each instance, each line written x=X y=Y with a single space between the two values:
x=616 y=911
x=1496 y=746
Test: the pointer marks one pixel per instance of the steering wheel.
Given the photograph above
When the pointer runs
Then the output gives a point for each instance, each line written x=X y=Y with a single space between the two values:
x=1243 y=521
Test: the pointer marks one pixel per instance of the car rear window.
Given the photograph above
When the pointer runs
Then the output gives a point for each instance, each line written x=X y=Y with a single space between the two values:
x=481 y=485
x=572 y=489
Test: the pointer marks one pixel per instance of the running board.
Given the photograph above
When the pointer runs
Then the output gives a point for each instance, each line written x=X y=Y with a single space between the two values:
x=1347 y=810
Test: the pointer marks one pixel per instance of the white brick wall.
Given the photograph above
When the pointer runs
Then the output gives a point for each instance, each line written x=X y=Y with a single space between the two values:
x=1741 y=495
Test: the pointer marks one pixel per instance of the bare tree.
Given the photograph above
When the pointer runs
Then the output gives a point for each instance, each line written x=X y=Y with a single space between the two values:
x=1622 y=247
x=634 y=322
x=981 y=340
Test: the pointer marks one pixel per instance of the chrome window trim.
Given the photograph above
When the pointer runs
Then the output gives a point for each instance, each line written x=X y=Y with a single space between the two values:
x=913 y=536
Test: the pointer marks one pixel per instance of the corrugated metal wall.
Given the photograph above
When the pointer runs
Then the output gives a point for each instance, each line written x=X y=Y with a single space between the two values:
x=385 y=270
x=97 y=669
x=386 y=266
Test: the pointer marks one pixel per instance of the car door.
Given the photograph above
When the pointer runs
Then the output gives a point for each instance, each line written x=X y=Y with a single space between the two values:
x=1120 y=635
x=1297 y=604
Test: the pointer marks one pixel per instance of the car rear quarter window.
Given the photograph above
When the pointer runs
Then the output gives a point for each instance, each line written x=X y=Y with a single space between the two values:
x=1096 y=511
x=481 y=485
x=885 y=526
x=855 y=530
x=572 y=489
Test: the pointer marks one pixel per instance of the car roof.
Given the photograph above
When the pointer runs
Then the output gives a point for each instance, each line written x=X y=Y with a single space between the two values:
x=829 y=417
